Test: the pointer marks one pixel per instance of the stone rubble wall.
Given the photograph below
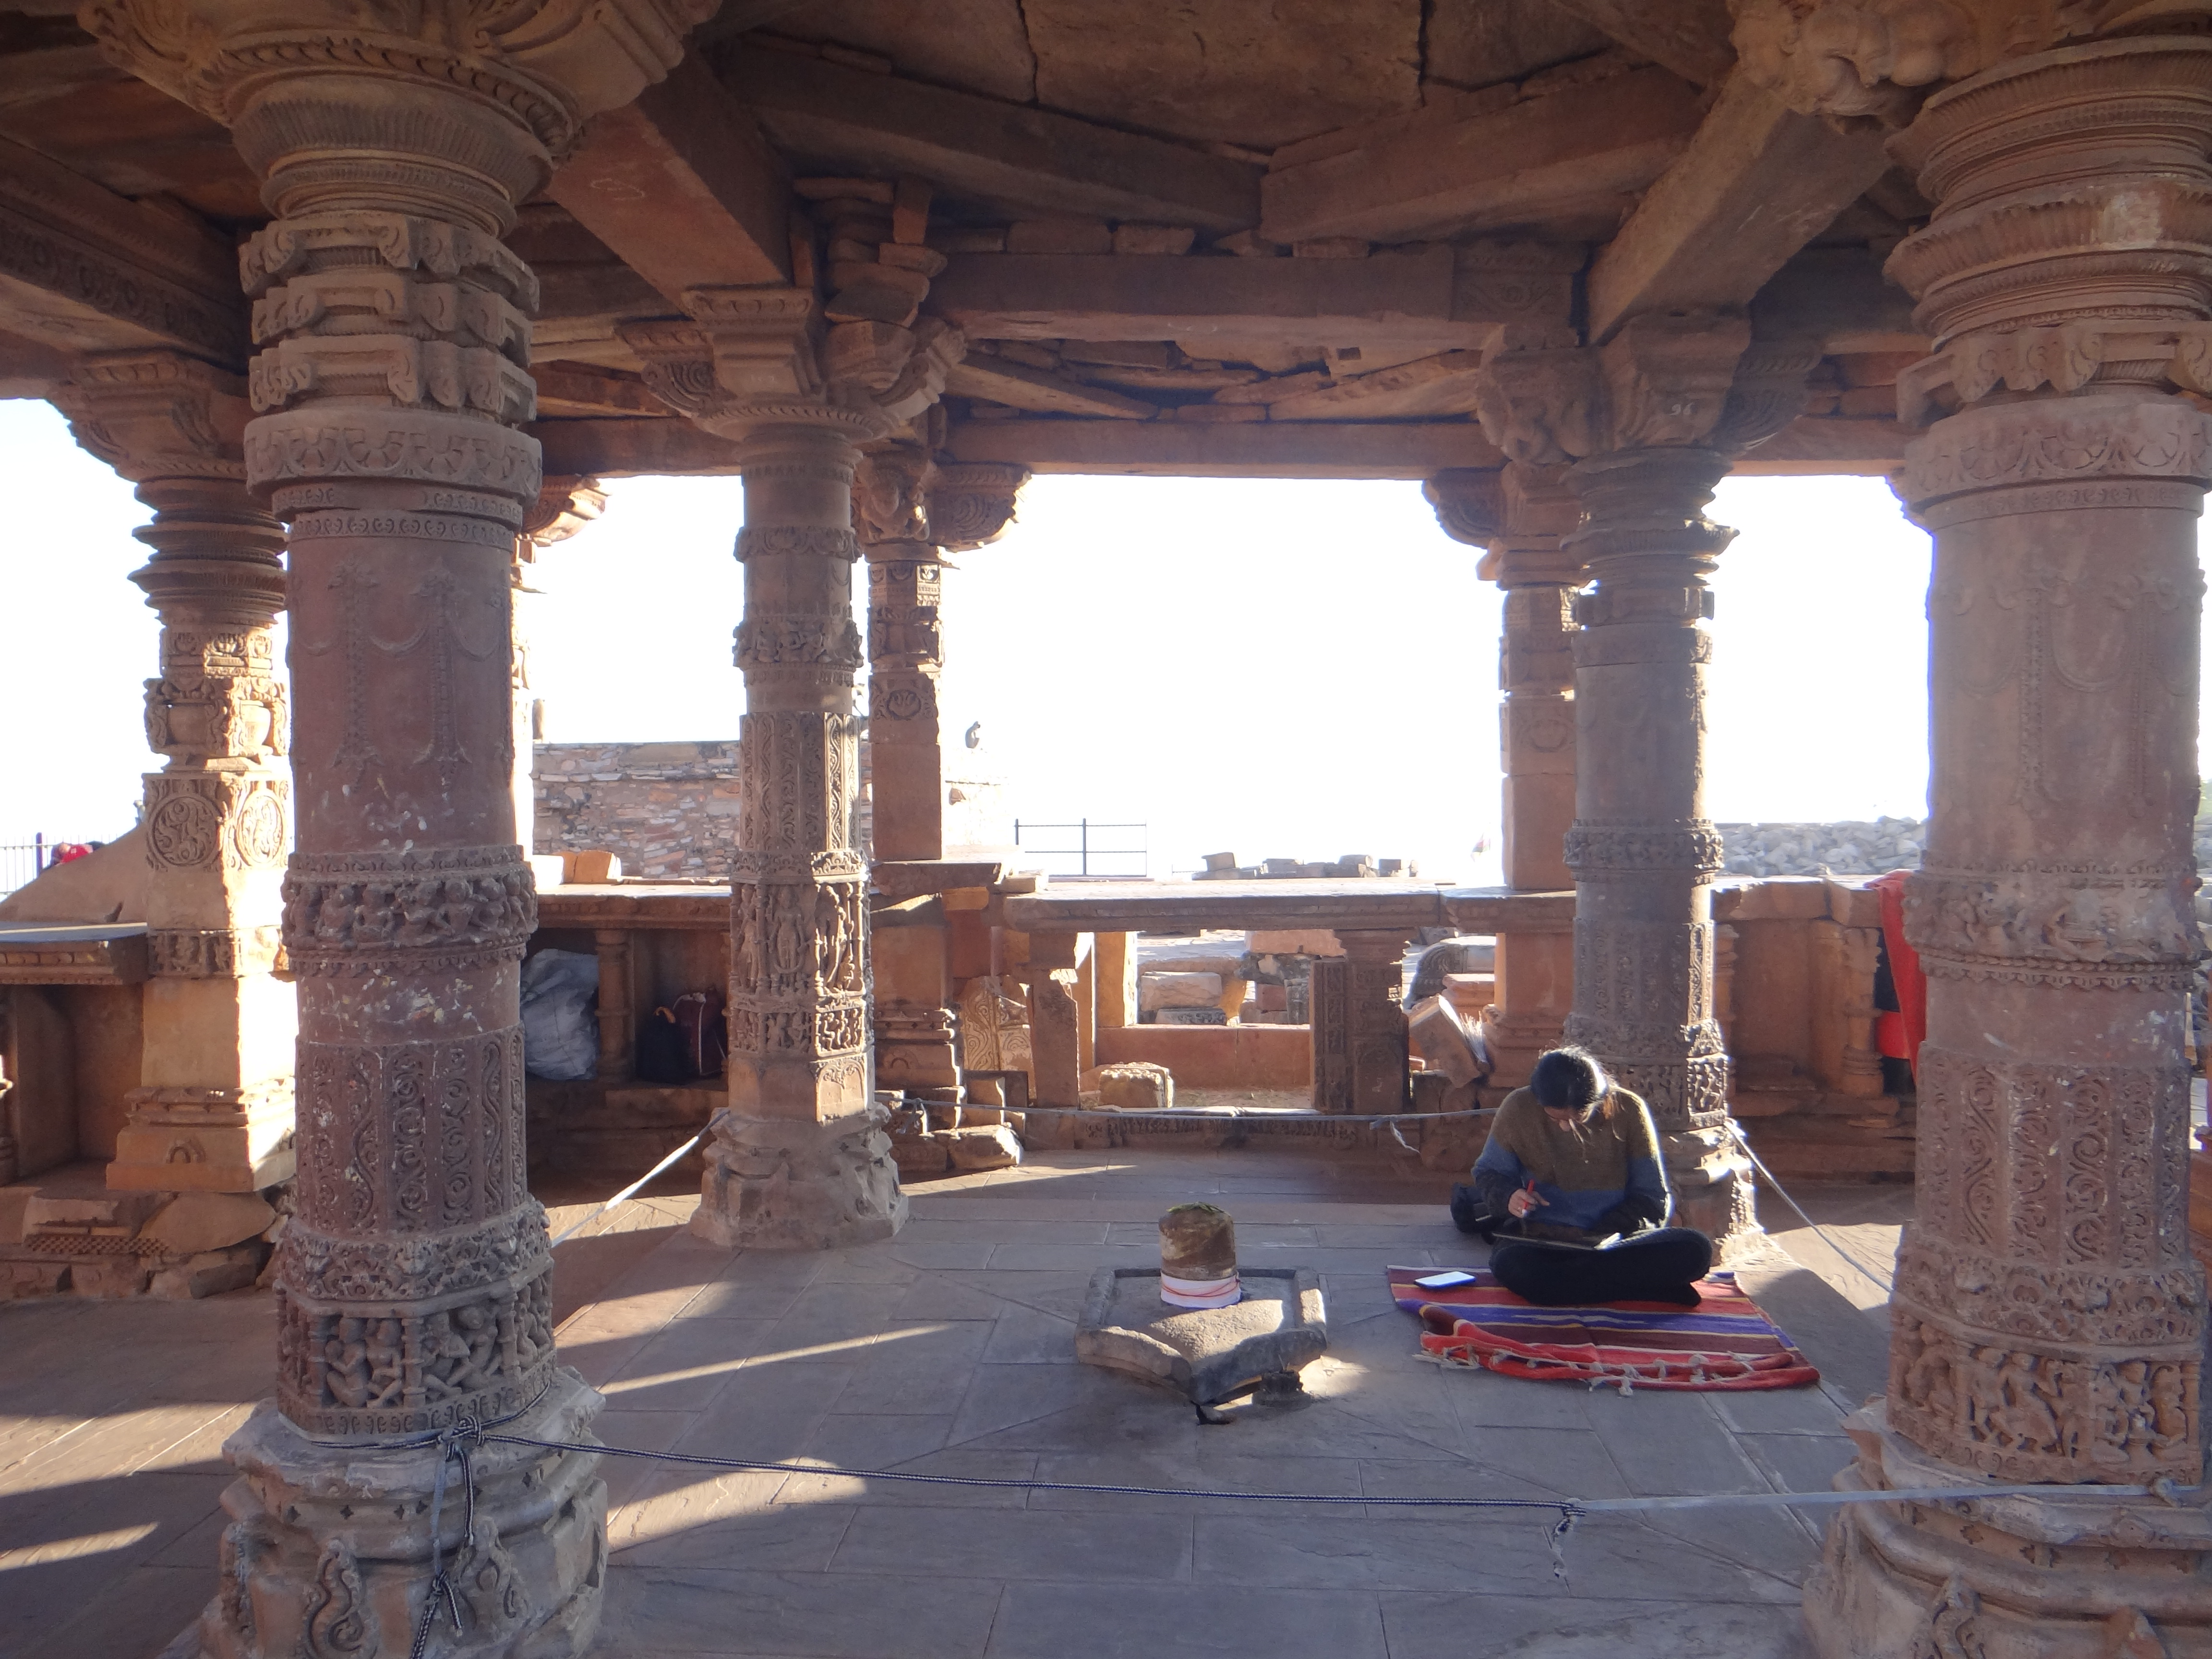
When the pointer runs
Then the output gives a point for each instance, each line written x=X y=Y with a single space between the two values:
x=667 y=810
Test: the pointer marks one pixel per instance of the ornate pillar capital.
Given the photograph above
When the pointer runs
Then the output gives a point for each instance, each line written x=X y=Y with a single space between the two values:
x=973 y=503
x=1693 y=379
x=508 y=89
x=565 y=504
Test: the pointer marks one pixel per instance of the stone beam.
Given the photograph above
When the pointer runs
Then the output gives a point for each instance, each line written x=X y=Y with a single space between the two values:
x=576 y=389
x=633 y=448
x=979 y=147
x=682 y=185
x=1582 y=146
x=1260 y=449
x=82 y=269
x=1839 y=298
x=1757 y=183
x=1689 y=37
x=1814 y=445
x=1441 y=298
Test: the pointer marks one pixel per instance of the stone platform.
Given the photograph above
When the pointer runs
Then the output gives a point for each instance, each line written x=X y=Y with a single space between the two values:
x=949 y=1349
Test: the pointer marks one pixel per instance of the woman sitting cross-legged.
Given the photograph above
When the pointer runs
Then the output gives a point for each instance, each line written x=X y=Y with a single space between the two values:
x=1572 y=1164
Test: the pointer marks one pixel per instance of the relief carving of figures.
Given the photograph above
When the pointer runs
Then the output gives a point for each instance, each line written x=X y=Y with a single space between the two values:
x=2085 y=925
x=889 y=503
x=837 y=938
x=345 y=910
x=2022 y=1415
x=778 y=641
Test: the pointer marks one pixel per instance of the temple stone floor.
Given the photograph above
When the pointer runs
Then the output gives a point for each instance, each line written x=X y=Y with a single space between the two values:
x=949 y=1350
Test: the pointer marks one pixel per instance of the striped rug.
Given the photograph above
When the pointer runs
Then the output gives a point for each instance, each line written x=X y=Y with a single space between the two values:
x=1725 y=1342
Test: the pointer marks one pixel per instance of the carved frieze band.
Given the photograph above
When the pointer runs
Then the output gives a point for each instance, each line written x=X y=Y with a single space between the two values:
x=785 y=540
x=346 y=912
x=2090 y=926
x=798 y=966
x=2022 y=1412
x=379 y=1371
x=76 y=269
x=2071 y=441
x=788 y=640
x=1691 y=845
x=422 y=1268
x=407 y=445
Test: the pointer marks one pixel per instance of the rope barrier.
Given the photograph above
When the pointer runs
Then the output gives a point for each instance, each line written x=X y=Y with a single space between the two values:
x=585 y=1221
x=1883 y=1285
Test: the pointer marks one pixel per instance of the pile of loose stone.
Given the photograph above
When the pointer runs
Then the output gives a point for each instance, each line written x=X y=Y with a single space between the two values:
x=1852 y=848
x=1855 y=848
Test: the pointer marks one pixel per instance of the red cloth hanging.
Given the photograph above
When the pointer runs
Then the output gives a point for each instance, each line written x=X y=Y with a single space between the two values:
x=1899 y=1035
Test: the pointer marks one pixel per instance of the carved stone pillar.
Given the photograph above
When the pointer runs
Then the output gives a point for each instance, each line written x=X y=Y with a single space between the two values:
x=797 y=1164
x=1649 y=420
x=414 y=1283
x=213 y=1111
x=906 y=508
x=2049 y=1323
x=800 y=1161
x=1643 y=851
x=906 y=653
x=1519 y=516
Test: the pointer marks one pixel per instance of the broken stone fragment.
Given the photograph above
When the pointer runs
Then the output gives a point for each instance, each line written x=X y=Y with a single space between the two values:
x=1135 y=1086
x=992 y=1146
x=193 y=1223
x=1157 y=991
x=1434 y=1030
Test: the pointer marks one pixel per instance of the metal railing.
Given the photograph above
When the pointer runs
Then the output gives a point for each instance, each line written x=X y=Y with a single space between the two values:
x=1091 y=857
x=21 y=864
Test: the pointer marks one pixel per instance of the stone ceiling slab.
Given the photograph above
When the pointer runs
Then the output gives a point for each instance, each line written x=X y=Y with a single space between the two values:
x=977 y=45
x=1257 y=73
x=1478 y=43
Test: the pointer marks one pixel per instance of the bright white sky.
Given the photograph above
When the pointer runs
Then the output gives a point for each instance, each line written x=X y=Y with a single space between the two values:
x=1295 y=670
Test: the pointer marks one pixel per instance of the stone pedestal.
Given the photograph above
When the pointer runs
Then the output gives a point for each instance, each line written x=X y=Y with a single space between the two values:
x=214 y=1109
x=328 y=1551
x=800 y=1161
x=2049 y=1321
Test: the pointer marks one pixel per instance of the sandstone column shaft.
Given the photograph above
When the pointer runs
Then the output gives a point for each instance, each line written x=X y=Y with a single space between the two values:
x=803 y=1165
x=1642 y=852
x=2049 y=1322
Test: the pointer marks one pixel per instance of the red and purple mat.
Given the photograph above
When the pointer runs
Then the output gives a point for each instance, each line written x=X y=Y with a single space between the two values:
x=1725 y=1342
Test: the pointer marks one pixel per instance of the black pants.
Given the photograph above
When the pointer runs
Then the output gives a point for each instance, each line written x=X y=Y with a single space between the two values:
x=1654 y=1266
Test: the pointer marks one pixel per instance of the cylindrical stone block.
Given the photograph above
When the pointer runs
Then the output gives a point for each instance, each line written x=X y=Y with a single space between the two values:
x=1198 y=1257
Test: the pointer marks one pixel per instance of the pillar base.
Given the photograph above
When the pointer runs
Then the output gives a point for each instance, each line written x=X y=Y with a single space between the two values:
x=1712 y=1182
x=206 y=1140
x=329 y=1548
x=774 y=1184
x=2021 y=1577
